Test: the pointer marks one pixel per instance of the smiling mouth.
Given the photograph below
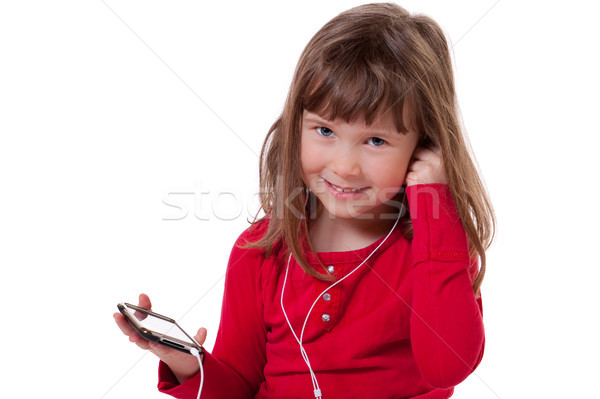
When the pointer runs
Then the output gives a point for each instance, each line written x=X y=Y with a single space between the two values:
x=345 y=189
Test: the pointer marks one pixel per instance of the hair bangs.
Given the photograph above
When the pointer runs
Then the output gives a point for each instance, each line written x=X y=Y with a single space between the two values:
x=356 y=89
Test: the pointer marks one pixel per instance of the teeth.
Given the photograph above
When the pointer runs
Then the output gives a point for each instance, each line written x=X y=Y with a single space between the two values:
x=341 y=190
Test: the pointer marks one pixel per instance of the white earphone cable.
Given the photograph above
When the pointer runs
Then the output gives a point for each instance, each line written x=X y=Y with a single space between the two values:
x=315 y=383
x=196 y=353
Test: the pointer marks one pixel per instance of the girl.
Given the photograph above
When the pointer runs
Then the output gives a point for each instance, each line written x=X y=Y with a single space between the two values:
x=362 y=280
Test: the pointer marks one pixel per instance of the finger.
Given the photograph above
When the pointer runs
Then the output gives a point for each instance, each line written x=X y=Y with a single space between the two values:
x=129 y=331
x=424 y=154
x=159 y=349
x=139 y=341
x=415 y=167
x=201 y=335
x=144 y=302
x=123 y=324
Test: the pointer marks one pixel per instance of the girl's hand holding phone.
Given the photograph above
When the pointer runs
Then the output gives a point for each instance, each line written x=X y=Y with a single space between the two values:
x=426 y=167
x=182 y=365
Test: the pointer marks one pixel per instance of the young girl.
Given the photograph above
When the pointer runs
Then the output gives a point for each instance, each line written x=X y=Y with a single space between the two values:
x=362 y=280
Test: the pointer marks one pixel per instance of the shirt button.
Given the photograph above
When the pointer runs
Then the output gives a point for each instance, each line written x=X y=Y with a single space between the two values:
x=325 y=317
x=327 y=296
x=330 y=268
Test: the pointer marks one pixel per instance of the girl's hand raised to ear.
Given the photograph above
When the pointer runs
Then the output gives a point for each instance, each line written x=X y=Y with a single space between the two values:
x=183 y=365
x=426 y=167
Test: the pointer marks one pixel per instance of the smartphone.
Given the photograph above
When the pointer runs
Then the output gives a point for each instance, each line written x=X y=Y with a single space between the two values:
x=158 y=328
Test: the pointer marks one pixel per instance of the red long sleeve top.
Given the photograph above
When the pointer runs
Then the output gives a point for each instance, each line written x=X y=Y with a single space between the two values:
x=405 y=325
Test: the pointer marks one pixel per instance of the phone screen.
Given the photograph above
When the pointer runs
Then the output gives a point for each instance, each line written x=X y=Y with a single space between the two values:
x=157 y=324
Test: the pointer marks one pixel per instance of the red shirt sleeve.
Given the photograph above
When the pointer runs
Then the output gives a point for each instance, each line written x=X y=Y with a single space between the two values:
x=235 y=367
x=447 y=334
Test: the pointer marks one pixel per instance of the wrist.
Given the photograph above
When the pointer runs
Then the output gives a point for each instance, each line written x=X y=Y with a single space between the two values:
x=184 y=369
x=437 y=227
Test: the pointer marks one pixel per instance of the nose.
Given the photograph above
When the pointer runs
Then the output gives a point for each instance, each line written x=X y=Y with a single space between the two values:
x=345 y=164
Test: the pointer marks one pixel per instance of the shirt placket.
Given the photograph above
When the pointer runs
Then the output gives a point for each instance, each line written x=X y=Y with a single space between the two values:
x=326 y=312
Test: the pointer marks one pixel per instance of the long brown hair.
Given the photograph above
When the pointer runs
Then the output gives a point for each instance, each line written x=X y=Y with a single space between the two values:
x=369 y=61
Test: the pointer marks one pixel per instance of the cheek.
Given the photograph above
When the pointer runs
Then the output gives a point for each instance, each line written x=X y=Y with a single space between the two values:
x=304 y=157
x=311 y=159
x=307 y=163
x=392 y=173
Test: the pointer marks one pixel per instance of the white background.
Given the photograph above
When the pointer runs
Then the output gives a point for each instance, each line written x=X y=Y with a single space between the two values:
x=109 y=110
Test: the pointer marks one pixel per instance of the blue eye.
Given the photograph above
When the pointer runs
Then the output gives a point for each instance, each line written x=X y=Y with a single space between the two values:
x=376 y=141
x=323 y=131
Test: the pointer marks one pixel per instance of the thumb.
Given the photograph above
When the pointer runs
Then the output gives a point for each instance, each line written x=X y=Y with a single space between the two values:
x=200 y=336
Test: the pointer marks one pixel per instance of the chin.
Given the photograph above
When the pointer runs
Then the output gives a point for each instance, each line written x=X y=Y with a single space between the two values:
x=347 y=211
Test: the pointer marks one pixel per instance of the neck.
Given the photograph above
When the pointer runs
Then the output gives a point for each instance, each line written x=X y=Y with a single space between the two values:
x=330 y=234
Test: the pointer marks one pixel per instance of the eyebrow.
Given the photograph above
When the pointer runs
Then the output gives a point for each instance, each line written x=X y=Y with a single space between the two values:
x=314 y=118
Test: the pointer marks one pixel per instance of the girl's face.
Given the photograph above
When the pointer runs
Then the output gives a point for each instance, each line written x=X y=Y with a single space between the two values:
x=354 y=169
